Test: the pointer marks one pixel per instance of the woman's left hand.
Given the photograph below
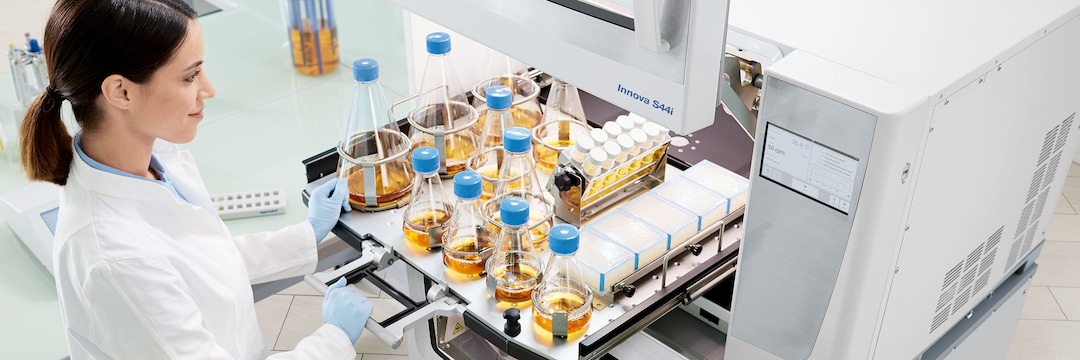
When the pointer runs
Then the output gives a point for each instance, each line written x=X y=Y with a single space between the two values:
x=325 y=206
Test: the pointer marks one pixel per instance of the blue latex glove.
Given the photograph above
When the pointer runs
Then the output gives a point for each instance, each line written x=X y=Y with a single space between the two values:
x=325 y=206
x=347 y=309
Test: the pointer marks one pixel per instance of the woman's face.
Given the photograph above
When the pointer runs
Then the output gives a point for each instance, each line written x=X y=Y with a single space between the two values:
x=170 y=105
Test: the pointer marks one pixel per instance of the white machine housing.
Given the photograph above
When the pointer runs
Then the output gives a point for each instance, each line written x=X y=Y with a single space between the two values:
x=960 y=118
x=31 y=211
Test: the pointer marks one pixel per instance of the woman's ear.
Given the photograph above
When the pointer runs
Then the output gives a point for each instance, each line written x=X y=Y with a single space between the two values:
x=115 y=89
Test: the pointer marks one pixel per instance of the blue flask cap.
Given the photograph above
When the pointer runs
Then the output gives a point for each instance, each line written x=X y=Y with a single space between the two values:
x=517 y=140
x=438 y=43
x=365 y=70
x=564 y=239
x=425 y=160
x=514 y=211
x=467 y=185
x=499 y=97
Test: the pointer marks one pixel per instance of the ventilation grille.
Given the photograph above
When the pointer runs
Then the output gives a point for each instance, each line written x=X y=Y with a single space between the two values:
x=1036 y=182
x=939 y=319
x=1052 y=170
x=1013 y=252
x=1040 y=205
x=963 y=276
x=981 y=283
x=1048 y=144
x=1063 y=137
x=1025 y=217
x=1028 y=239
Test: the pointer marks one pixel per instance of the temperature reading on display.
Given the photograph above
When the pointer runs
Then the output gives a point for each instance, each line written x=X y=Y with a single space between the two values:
x=810 y=168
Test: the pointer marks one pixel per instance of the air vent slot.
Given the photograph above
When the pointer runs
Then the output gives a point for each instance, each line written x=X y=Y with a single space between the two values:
x=952 y=275
x=939 y=319
x=1013 y=252
x=1052 y=171
x=994 y=239
x=1048 y=144
x=973 y=257
x=946 y=297
x=961 y=300
x=1040 y=205
x=981 y=283
x=1025 y=217
x=968 y=278
x=1036 y=181
x=1027 y=239
x=1066 y=128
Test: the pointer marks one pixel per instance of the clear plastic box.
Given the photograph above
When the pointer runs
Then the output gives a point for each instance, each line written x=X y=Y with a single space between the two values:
x=709 y=206
x=604 y=263
x=679 y=224
x=722 y=181
x=645 y=241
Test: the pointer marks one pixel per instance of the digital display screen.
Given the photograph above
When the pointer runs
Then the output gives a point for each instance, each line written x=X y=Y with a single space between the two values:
x=808 y=167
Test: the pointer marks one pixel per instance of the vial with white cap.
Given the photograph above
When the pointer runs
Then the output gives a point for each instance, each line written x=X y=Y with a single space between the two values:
x=612 y=149
x=638 y=120
x=625 y=123
x=595 y=162
x=599 y=136
x=652 y=131
x=580 y=151
x=612 y=129
x=626 y=144
x=639 y=138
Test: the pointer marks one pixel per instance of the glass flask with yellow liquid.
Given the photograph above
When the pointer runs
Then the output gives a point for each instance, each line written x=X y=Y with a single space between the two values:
x=517 y=177
x=443 y=118
x=428 y=214
x=562 y=303
x=514 y=268
x=467 y=242
x=312 y=35
x=373 y=156
x=525 y=108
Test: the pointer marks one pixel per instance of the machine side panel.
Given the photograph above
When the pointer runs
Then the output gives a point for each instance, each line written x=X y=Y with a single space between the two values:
x=994 y=160
x=796 y=237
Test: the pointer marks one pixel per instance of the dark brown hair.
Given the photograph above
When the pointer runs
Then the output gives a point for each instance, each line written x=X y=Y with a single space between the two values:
x=85 y=42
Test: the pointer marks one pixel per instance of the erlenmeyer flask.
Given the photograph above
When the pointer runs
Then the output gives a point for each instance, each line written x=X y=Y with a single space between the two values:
x=562 y=303
x=428 y=214
x=503 y=70
x=517 y=177
x=564 y=103
x=514 y=268
x=467 y=242
x=373 y=153
x=499 y=99
x=443 y=119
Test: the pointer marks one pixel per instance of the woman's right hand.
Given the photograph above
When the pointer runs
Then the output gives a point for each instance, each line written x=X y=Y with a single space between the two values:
x=347 y=309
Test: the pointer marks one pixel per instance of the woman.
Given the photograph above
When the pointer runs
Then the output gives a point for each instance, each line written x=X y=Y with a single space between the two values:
x=145 y=269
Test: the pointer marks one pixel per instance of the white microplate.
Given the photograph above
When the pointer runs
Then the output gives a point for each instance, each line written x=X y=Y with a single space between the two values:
x=604 y=263
x=722 y=181
x=709 y=206
x=680 y=225
x=645 y=241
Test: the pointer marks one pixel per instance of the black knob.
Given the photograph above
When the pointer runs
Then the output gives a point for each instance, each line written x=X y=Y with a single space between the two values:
x=695 y=249
x=564 y=181
x=512 y=327
x=629 y=290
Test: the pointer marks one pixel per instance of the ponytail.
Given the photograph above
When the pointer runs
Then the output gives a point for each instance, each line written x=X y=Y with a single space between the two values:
x=45 y=145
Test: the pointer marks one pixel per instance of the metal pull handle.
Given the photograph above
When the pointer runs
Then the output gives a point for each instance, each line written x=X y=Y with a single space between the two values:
x=647 y=27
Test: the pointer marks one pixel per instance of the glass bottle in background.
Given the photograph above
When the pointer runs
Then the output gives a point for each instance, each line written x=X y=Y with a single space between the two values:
x=562 y=303
x=28 y=71
x=429 y=211
x=442 y=111
x=467 y=242
x=517 y=177
x=514 y=268
x=499 y=117
x=373 y=154
x=502 y=70
x=312 y=35
x=564 y=103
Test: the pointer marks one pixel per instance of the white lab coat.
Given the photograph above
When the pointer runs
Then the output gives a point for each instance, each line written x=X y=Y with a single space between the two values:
x=142 y=275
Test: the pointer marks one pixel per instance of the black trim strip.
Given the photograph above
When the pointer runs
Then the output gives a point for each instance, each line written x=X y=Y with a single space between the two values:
x=596 y=12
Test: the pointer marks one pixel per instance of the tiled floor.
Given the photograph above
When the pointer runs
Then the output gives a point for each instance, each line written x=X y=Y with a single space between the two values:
x=1050 y=323
x=296 y=312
